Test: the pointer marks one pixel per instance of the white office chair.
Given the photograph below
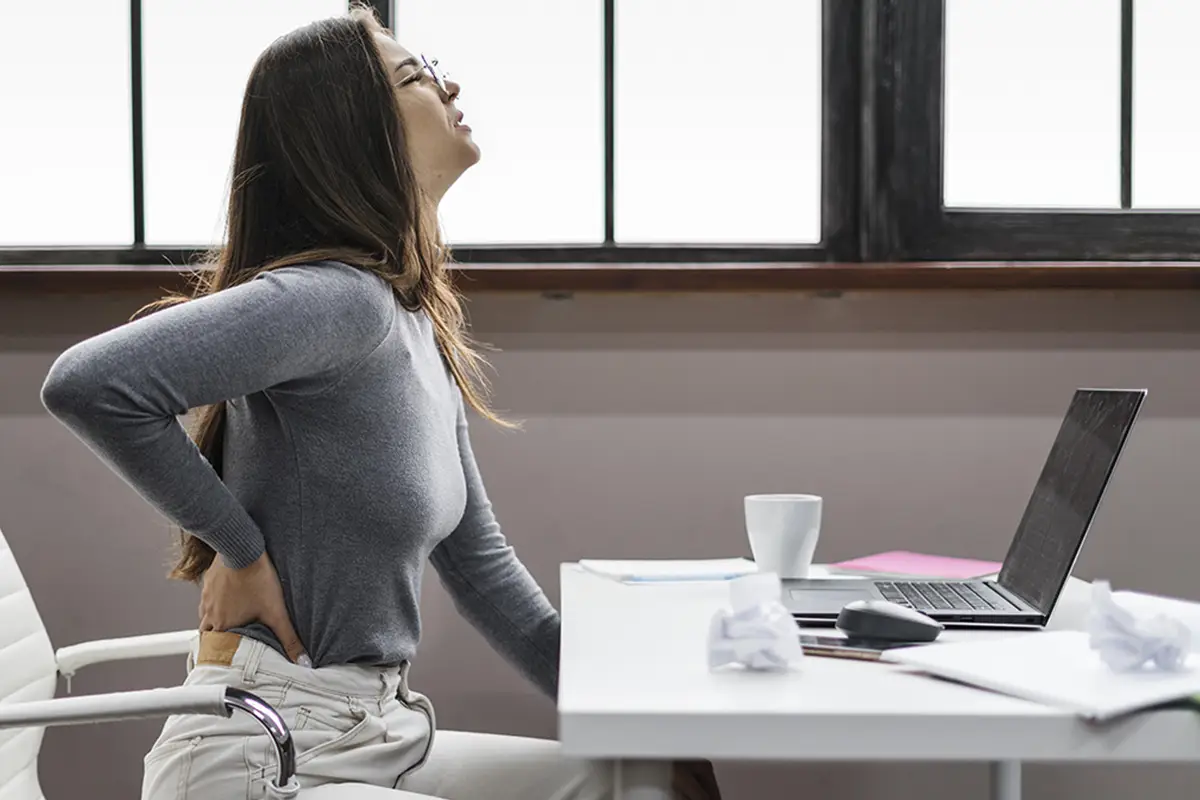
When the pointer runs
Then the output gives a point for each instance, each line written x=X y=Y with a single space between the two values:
x=29 y=669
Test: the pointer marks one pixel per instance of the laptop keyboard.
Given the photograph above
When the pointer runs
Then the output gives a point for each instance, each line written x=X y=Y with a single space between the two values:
x=937 y=596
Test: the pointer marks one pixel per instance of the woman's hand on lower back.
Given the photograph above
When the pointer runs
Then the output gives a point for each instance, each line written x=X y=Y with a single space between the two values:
x=230 y=598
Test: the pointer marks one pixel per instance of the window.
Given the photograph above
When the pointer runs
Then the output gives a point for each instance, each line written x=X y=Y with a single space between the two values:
x=718 y=110
x=532 y=76
x=196 y=58
x=635 y=132
x=1037 y=157
x=609 y=129
x=65 y=168
x=1166 y=111
x=1033 y=103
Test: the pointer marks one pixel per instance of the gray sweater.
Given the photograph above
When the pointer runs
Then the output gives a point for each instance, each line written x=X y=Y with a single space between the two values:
x=347 y=458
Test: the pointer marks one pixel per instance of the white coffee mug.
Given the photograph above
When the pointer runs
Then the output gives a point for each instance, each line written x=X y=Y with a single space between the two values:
x=783 y=531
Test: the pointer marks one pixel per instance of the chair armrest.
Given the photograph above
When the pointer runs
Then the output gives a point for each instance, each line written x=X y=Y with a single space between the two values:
x=71 y=658
x=214 y=700
x=115 y=706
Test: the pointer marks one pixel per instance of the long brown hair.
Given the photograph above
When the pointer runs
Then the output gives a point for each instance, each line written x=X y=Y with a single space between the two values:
x=321 y=171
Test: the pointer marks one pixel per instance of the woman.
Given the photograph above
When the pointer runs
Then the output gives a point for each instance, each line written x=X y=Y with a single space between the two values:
x=327 y=354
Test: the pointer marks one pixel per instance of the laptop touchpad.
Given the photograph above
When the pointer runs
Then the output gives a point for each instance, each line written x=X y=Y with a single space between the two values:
x=818 y=598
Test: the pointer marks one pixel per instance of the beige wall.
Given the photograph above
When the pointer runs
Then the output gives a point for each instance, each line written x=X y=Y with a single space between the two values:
x=922 y=418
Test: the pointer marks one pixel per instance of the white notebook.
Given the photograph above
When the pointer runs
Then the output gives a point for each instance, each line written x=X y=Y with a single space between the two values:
x=1055 y=668
x=668 y=570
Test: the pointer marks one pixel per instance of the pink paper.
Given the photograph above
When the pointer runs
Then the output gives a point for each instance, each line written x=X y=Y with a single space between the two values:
x=905 y=563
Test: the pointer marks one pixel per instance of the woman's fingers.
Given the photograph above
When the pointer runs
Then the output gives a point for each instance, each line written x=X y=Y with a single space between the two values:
x=281 y=626
x=232 y=598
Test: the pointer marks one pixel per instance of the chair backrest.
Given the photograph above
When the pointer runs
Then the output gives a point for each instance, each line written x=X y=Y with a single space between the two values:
x=27 y=672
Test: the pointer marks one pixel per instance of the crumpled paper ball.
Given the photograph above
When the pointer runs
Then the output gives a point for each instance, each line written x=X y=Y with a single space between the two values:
x=758 y=632
x=1128 y=642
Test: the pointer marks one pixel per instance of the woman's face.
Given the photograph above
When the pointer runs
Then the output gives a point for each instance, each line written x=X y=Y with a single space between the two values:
x=439 y=144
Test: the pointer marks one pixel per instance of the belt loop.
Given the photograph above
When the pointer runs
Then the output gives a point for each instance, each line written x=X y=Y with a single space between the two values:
x=254 y=653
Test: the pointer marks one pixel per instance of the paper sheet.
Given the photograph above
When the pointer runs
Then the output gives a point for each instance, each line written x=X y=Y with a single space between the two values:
x=1055 y=668
x=666 y=570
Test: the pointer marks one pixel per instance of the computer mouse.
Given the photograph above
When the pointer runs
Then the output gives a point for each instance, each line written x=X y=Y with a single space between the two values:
x=886 y=621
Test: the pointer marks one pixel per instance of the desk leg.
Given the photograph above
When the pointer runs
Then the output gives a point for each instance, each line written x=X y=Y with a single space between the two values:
x=1006 y=780
x=642 y=780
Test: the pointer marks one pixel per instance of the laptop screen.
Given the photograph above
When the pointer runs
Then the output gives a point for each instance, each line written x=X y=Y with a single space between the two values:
x=1067 y=494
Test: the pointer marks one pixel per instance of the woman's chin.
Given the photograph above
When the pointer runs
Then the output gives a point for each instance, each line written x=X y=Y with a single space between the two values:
x=472 y=153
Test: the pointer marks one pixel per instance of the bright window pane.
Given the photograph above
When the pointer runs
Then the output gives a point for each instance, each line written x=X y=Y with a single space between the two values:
x=197 y=57
x=1166 y=108
x=718 y=117
x=1033 y=103
x=65 y=145
x=532 y=91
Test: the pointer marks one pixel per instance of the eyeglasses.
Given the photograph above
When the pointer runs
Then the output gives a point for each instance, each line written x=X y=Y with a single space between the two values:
x=428 y=67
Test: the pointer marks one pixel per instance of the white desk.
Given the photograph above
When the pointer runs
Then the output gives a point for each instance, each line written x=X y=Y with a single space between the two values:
x=634 y=687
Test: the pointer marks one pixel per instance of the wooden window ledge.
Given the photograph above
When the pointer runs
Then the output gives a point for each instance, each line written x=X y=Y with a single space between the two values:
x=657 y=277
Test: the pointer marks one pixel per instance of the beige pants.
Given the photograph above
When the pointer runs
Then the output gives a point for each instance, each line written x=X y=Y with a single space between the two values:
x=350 y=725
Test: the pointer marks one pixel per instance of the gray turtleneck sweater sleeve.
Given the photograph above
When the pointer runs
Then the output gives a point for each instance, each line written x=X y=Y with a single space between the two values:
x=491 y=587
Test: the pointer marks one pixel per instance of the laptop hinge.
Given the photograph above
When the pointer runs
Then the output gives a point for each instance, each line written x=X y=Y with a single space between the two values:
x=1013 y=597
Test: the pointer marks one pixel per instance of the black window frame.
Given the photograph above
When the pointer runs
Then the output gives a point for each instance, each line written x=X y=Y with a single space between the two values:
x=909 y=221
x=841 y=23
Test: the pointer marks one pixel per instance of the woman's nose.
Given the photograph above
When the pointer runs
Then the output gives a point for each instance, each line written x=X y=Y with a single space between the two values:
x=452 y=90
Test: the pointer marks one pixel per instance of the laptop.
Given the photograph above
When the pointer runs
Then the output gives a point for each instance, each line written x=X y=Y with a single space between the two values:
x=1043 y=550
